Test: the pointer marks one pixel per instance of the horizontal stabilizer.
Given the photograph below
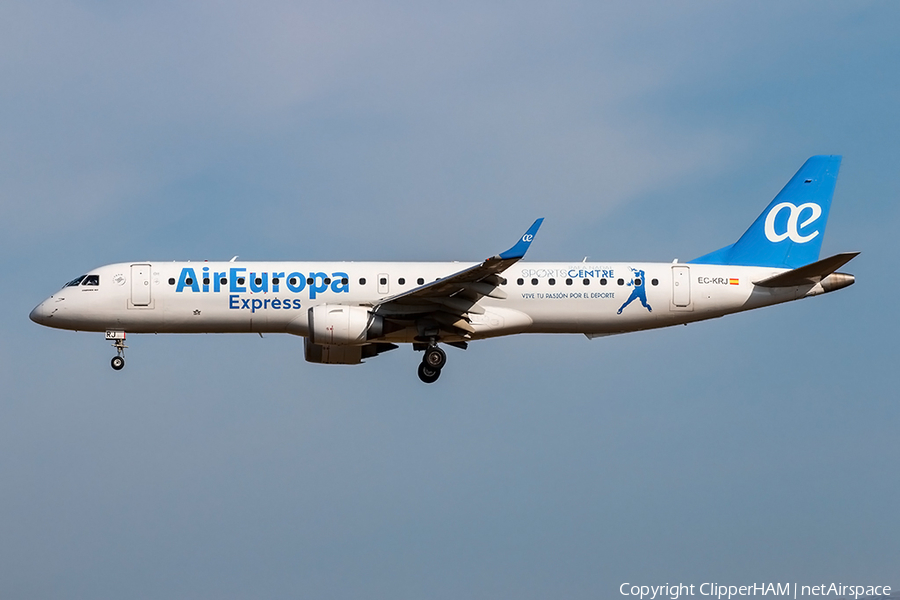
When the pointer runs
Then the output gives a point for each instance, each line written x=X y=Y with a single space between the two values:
x=809 y=274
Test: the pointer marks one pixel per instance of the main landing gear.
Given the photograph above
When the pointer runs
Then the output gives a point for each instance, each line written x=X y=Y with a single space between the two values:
x=432 y=363
x=118 y=338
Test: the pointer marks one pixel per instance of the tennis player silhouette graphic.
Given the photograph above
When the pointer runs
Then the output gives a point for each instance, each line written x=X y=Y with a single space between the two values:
x=638 y=293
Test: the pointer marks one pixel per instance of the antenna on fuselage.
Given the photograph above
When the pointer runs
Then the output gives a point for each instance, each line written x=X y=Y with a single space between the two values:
x=233 y=258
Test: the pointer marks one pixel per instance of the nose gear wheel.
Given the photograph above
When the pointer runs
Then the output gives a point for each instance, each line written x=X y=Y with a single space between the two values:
x=118 y=361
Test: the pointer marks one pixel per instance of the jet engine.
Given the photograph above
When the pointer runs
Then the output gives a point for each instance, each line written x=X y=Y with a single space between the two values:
x=342 y=325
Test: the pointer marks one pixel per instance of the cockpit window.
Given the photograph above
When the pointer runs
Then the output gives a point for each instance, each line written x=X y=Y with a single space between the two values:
x=91 y=280
x=75 y=281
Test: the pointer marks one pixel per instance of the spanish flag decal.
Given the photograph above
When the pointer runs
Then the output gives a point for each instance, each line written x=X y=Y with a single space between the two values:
x=734 y=281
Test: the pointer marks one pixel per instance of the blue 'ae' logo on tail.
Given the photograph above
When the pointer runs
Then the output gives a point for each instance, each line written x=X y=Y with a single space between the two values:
x=791 y=228
x=788 y=234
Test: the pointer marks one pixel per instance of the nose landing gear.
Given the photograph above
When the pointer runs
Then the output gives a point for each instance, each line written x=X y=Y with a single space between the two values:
x=118 y=338
x=432 y=363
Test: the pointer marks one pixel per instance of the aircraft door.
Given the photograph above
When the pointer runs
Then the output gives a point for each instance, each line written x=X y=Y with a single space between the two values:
x=681 y=286
x=140 y=285
x=383 y=283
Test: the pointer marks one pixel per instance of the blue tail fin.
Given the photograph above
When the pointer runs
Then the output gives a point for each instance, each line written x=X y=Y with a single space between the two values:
x=788 y=234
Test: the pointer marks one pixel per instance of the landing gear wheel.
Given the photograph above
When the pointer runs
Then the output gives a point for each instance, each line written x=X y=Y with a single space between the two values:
x=118 y=337
x=435 y=358
x=427 y=374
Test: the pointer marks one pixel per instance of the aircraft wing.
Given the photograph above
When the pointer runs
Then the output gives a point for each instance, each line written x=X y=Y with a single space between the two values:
x=452 y=298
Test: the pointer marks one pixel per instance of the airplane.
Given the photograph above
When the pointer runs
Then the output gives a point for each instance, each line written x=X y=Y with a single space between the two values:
x=348 y=312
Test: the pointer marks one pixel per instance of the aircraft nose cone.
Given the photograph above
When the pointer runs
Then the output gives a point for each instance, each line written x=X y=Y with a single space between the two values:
x=37 y=315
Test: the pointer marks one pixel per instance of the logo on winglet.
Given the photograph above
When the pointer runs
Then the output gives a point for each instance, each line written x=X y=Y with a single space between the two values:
x=792 y=228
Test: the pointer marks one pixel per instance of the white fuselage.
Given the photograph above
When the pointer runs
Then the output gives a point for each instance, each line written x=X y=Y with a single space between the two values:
x=275 y=297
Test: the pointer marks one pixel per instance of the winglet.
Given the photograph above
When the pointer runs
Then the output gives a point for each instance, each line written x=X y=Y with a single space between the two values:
x=521 y=247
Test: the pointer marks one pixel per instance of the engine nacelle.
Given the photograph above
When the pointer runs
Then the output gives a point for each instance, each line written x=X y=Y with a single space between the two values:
x=342 y=325
x=342 y=355
x=331 y=355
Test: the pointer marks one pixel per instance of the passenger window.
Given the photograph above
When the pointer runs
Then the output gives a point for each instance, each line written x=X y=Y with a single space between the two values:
x=327 y=281
x=257 y=281
x=189 y=281
x=383 y=281
x=206 y=281
x=603 y=281
x=655 y=282
x=551 y=281
x=520 y=281
x=568 y=282
x=223 y=281
x=75 y=281
x=586 y=281
x=240 y=281
x=171 y=281
x=621 y=282
x=309 y=281
x=534 y=281
x=344 y=281
x=420 y=281
x=362 y=281
x=292 y=281
x=91 y=280
x=401 y=281
x=275 y=281
x=637 y=281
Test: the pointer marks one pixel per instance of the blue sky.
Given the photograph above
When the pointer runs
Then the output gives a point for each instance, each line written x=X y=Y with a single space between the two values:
x=760 y=447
